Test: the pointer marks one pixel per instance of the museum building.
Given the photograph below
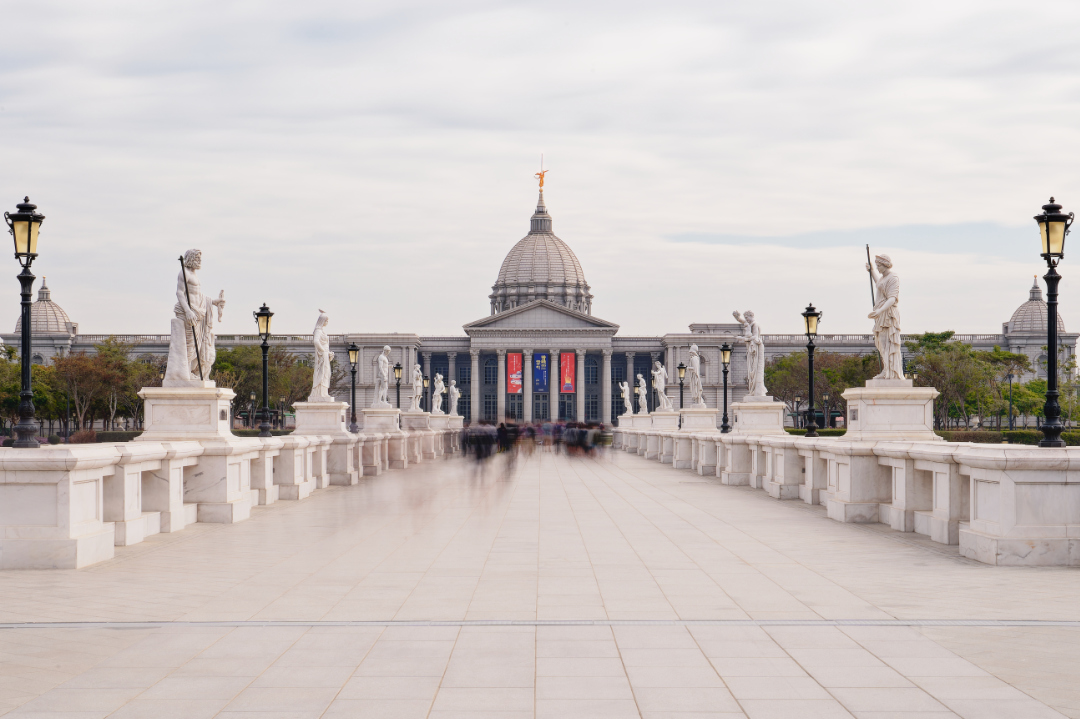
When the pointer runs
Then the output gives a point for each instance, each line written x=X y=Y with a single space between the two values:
x=541 y=354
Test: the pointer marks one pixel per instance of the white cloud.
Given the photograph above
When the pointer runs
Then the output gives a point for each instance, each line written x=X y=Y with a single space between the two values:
x=374 y=159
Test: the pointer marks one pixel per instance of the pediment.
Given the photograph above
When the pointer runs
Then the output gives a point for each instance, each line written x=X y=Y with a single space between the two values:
x=541 y=315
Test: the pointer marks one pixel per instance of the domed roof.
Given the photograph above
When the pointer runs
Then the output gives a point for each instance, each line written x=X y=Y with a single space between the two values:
x=541 y=267
x=1031 y=316
x=46 y=316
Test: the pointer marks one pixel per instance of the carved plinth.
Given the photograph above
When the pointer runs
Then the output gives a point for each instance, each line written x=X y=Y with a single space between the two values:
x=698 y=419
x=758 y=415
x=328 y=419
x=890 y=410
x=385 y=421
x=665 y=420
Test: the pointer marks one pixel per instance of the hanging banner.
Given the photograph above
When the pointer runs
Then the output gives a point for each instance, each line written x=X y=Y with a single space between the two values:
x=513 y=373
x=540 y=372
x=566 y=373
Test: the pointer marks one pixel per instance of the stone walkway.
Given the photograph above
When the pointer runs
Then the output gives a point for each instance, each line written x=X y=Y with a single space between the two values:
x=613 y=587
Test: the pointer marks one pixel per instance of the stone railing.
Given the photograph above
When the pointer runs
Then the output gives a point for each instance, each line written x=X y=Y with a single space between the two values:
x=1002 y=504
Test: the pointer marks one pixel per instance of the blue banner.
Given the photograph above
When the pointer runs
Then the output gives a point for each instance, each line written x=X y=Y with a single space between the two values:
x=540 y=372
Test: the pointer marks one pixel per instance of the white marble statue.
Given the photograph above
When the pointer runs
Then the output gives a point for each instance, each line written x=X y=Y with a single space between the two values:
x=320 y=379
x=659 y=379
x=194 y=322
x=697 y=391
x=453 y=394
x=755 y=354
x=437 y=389
x=643 y=395
x=382 y=379
x=627 y=397
x=886 y=317
x=417 y=389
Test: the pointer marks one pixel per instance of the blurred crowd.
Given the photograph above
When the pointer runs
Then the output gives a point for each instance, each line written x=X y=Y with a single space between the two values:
x=485 y=440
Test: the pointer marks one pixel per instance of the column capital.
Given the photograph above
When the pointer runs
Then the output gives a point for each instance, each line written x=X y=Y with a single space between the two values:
x=554 y=352
x=606 y=353
x=451 y=355
x=630 y=354
x=527 y=350
x=475 y=354
x=426 y=355
x=580 y=353
x=500 y=352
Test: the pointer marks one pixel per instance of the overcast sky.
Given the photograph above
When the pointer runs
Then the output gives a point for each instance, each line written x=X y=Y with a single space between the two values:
x=375 y=160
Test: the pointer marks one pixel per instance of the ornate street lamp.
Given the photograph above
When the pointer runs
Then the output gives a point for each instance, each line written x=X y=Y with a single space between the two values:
x=354 y=362
x=811 y=317
x=682 y=374
x=397 y=381
x=828 y=415
x=427 y=399
x=281 y=403
x=262 y=318
x=725 y=358
x=24 y=224
x=251 y=409
x=1053 y=227
x=798 y=403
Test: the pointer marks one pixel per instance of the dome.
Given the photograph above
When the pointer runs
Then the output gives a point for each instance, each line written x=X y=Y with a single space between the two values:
x=1031 y=316
x=47 y=317
x=541 y=267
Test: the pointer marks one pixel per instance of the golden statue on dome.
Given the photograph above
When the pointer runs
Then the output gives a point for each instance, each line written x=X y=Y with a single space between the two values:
x=540 y=175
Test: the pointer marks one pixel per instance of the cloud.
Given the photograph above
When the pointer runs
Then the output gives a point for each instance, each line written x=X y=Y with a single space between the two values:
x=375 y=158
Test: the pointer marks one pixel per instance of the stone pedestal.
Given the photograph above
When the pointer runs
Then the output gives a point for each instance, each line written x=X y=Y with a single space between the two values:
x=262 y=471
x=440 y=424
x=123 y=490
x=327 y=419
x=51 y=502
x=664 y=420
x=456 y=425
x=698 y=419
x=385 y=421
x=890 y=410
x=758 y=415
x=221 y=481
x=422 y=438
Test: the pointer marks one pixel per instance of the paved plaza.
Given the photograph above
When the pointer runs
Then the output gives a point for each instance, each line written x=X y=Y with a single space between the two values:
x=563 y=587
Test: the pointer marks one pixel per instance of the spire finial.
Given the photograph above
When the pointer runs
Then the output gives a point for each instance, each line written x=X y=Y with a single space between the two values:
x=540 y=175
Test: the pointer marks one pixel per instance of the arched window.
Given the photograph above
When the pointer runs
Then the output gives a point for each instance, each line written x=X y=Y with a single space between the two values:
x=37 y=359
x=591 y=371
x=491 y=371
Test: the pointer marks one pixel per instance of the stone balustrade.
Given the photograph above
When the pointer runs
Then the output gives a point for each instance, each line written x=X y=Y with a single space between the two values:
x=1002 y=504
x=69 y=506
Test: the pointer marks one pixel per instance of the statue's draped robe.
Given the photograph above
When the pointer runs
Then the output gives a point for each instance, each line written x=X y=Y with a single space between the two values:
x=454 y=394
x=755 y=360
x=203 y=307
x=697 y=392
x=382 y=382
x=887 y=328
x=320 y=381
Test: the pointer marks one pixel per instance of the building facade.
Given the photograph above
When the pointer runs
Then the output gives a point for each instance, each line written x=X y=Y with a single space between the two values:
x=541 y=354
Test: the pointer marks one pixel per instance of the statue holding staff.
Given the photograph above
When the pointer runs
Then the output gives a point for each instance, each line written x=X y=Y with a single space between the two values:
x=191 y=344
x=886 y=317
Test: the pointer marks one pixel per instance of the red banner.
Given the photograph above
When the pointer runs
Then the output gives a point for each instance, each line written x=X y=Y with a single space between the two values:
x=566 y=372
x=513 y=373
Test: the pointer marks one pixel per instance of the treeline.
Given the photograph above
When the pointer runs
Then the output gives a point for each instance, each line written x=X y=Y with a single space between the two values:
x=973 y=384
x=104 y=385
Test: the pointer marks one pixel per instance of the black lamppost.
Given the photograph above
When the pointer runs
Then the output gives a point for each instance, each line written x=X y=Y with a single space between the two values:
x=811 y=317
x=798 y=403
x=828 y=414
x=251 y=409
x=281 y=403
x=262 y=318
x=354 y=361
x=682 y=374
x=1010 y=402
x=24 y=224
x=427 y=399
x=397 y=381
x=725 y=357
x=1053 y=227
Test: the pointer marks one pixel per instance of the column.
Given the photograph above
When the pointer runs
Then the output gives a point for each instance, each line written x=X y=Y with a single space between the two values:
x=527 y=382
x=554 y=383
x=630 y=378
x=427 y=373
x=474 y=387
x=580 y=385
x=451 y=371
x=605 y=389
x=500 y=401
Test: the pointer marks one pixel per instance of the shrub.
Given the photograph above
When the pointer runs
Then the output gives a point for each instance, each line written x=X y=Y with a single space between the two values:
x=9 y=443
x=964 y=435
x=1022 y=436
x=255 y=432
x=54 y=439
x=827 y=432
x=117 y=436
x=84 y=436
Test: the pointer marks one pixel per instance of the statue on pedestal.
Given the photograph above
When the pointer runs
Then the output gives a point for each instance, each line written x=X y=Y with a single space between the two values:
x=437 y=389
x=382 y=379
x=755 y=354
x=697 y=391
x=660 y=376
x=320 y=379
x=886 y=317
x=643 y=396
x=453 y=394
x=191 y=341
x=627 y=397
x=417 y=389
